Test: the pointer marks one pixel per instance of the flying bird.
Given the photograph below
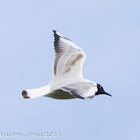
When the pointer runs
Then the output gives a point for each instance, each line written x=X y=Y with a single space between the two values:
x=68 y=81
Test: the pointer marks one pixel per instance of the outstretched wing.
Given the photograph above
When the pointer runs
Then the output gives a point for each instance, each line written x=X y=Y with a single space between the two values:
x=83 y=90
x=69 y=58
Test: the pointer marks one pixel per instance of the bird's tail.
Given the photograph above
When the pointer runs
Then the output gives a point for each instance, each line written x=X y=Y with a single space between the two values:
x=37 y=92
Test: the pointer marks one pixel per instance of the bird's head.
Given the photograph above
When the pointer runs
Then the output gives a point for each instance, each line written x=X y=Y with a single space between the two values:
x=100 y=90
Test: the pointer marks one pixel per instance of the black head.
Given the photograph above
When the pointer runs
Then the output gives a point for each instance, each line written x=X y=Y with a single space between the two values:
x=101 y=90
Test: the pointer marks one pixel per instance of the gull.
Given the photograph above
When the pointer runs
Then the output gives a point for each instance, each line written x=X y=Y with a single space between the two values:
x=68 y=81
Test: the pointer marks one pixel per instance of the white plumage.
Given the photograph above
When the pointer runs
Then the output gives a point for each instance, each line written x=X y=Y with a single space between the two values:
x=68 y=81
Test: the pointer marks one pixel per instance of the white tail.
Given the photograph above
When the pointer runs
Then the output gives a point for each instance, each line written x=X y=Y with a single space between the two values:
x=37 y=92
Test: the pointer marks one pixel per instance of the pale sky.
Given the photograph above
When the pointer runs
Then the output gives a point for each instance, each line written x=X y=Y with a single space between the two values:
x=109 y=33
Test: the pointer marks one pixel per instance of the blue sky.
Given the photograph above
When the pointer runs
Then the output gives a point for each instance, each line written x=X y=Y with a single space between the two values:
x=109 y=33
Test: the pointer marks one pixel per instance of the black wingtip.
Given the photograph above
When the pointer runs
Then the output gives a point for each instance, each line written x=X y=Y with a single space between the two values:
x=54 y=31
x=24 y=94
x=58 y=35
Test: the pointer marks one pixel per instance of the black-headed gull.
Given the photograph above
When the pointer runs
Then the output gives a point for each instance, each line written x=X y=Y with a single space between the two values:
x=68 y=81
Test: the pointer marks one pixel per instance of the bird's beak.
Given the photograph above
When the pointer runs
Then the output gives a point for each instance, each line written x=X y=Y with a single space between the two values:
x=107 y=94
x=103 y=92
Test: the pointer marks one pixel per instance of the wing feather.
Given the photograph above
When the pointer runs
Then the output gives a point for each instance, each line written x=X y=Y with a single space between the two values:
x=68 y=56
x=85 y=90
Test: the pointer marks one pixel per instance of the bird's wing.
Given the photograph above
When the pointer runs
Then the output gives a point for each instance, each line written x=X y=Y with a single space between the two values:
x=69 y=58
x=83 y=90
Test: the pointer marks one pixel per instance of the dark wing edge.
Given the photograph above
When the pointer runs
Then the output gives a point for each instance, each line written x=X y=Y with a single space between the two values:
x=59 y=48
x=79 y=89
x=58 y=35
